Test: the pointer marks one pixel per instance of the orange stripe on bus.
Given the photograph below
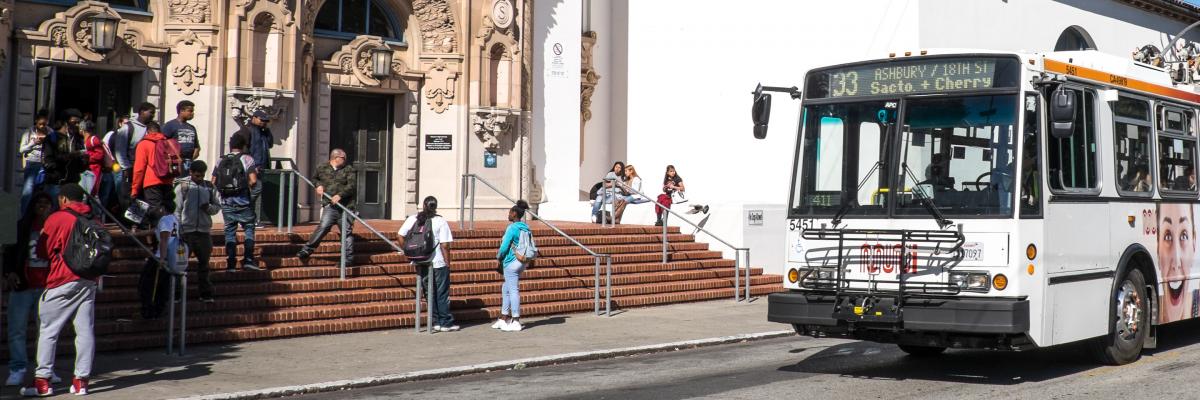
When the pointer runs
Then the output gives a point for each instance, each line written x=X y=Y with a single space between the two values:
x=1118 y=80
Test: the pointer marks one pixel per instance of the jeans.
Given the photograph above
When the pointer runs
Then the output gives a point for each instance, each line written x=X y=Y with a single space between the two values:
x=607 y=198
x=200 y=244
x=76 y=302
x=510 y=293
x=20 y=303
x=441 y=294
x=32 y=169
x=108 y=185
x=235 y=216
x=332 y=215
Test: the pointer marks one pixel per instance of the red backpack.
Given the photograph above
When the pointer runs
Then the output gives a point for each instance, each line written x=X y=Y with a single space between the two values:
x=167 y=162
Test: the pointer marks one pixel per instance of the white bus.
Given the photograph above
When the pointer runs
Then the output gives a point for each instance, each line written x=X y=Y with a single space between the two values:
x=998 y=200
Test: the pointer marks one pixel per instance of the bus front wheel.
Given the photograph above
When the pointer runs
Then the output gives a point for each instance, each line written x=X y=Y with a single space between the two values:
x=1128 y=321
x=921 y=351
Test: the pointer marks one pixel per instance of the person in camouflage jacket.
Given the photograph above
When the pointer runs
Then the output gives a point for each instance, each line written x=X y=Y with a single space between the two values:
x=337 y=183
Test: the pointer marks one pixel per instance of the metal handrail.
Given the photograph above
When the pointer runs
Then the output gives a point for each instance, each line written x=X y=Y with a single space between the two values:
x=737 y=259
x=342 y=265
x=162 y=266
x=596 y=256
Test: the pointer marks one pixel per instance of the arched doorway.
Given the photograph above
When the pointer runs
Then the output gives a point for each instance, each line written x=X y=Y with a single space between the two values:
x=1074 y=38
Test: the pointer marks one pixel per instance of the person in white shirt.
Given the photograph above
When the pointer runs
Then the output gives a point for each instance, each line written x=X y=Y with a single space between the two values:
x=439 y=263
x=632 y=181
x=166 y=227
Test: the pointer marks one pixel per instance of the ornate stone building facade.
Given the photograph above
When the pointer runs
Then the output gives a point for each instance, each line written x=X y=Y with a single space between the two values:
x=453 y=92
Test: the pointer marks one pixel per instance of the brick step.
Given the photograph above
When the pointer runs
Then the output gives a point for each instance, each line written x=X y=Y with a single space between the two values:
x=395 y=321
x=131 y=267
x=199 y=317
x=331 y=245
x=458 y=274
x=301 y=233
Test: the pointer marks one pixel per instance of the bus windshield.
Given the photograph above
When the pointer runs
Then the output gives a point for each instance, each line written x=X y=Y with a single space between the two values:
x=959 y=152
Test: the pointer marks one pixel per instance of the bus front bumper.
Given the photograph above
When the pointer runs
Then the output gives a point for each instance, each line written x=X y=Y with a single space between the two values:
x=926 y=314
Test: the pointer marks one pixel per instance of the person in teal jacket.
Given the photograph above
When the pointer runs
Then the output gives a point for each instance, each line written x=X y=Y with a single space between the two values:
x=510 y=292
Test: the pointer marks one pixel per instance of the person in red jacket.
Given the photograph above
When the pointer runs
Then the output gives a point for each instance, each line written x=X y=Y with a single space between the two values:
x=148 y=186
x=95 y=155
x=68 y=297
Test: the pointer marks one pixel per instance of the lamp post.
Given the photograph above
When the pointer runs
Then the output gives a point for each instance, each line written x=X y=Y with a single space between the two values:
x=381 y=62
x=104 y=32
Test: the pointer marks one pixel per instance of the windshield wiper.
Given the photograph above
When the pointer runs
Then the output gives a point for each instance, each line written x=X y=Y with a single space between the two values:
x=926 y=200
x=837 y=218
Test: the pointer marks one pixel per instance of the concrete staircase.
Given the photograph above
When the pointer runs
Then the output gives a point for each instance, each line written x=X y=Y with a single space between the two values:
x=296 y=298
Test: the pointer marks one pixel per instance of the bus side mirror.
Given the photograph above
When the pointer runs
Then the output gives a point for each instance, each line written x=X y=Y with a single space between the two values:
x=761 y=112
x=1062 y=113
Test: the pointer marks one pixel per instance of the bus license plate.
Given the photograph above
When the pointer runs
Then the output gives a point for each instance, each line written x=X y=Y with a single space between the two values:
x=972 y=251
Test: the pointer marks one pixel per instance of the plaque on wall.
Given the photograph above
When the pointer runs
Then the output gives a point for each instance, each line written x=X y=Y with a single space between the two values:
x=437 y=142
x=489 y=159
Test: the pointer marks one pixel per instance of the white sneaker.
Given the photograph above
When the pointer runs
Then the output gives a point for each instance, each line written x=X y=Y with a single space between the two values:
x=436 y=328
x=15 y=378
x=500 y=324
x=513 y=326
x=450 y=328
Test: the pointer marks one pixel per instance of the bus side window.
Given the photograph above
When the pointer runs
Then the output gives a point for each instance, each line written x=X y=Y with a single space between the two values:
x=1177 y=153
x=1031 y=160
x=1072 y=161
x=1131 y=145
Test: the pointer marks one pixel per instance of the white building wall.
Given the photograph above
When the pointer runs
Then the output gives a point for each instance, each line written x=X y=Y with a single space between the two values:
x=598 y=153
x=556 y=104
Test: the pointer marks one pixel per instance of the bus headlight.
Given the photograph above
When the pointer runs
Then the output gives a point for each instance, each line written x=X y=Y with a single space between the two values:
x=971 y=281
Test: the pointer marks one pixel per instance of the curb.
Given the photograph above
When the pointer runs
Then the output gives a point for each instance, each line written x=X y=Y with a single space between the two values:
x=442 y=373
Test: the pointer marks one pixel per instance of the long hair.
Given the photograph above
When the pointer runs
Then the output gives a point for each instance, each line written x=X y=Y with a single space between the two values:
x=667 y=174
x=520 y=209
x=620 y=173
x=428 y=209
x=631 y=174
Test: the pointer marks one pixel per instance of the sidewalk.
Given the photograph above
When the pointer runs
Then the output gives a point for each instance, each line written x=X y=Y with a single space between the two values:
x=248 y=366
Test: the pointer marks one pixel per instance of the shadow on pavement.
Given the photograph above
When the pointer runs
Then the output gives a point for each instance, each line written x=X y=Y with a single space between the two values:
x=867 y=360
x=555 y=320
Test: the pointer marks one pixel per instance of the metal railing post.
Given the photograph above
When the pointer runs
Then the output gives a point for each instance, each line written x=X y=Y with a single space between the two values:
x=342 y=248
x=183 y=316
x=171 y=314
x=473 y=179
x=608 y=289
x=429 y=299
x=747 y=273
x=666 y=246
x=737 y=266
x=417 y=301
x=462 y=203
x=291 y=203
x=279 y=201
x=596 y=295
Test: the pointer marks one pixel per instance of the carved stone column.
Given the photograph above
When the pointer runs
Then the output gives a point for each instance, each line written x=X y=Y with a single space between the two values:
x=587 y=86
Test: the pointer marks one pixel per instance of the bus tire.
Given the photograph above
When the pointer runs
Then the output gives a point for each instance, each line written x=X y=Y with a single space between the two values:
x=921 y=351
x=1129 y=322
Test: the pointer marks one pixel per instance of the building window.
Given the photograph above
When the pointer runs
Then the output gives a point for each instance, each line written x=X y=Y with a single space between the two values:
x=345 y=18
x=1074 y=38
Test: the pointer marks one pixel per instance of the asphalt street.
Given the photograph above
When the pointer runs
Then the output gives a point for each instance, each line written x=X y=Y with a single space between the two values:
x=833 y=369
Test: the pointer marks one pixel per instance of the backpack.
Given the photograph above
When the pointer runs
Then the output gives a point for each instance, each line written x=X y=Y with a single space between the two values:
x=526 y=250
x=231 y=176
x=89 y=248
x=167 y=161
x=419 y=244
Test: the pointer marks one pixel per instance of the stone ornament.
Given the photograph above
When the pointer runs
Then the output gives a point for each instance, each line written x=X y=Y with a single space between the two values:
x=440 y=85
x=190 y=59
x=502 y=13
x=189 y=11
x=306 y=76
x=71 y=29
x=245 y=102
x=493 y=125
x=354 y=58
x=437 y=26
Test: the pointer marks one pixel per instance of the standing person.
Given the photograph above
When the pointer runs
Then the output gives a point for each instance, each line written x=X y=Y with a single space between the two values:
x=33 y=144
x=440 y=262
x=339 y=181
x=117 y=142
x=68 y=297
x=617 y=172
x=150 y=290
x=510 y=292
x=197 y=204
x=94 y=149
x=236 y=179
x=65 y=158
x=260 y=141
x=179 y=129
x=632 y=181
x=672 y=183
x=136 y=129
x=150 y=184
x=24 y=280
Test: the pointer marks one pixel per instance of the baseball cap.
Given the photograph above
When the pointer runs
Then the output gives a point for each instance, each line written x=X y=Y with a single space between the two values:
x=260 y=114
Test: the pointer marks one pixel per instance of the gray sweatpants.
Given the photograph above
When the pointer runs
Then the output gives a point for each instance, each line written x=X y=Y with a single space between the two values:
x=73 y=301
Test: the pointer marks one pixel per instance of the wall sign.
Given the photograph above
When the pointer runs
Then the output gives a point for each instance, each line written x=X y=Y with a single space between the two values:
x=754 y=218
x=437 y=142
x=489 y=159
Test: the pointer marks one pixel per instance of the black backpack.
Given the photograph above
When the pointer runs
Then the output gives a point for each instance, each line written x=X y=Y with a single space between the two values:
x=231 y=176
x=418 y=243
x=89 y=248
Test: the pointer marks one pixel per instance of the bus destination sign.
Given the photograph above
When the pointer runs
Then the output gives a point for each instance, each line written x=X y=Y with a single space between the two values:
x=909 y=77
